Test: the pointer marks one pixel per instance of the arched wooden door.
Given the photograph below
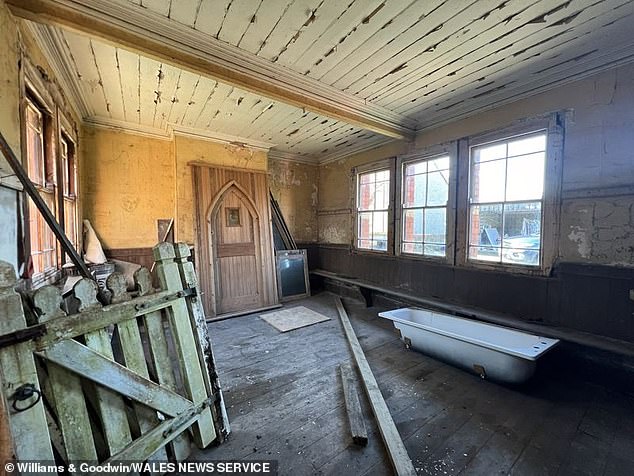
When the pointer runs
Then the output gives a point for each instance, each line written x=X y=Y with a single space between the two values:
x=234 y=227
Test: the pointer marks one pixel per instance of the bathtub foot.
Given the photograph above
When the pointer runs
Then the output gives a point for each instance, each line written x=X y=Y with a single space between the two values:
x=479 y=369
x=408 y=343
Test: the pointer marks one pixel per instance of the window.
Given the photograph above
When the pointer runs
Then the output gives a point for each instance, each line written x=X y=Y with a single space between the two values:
x=69 y=188
x=506 y=200
x=425 y=193
x=42 y=174
x=373 y=209
x=50 y=161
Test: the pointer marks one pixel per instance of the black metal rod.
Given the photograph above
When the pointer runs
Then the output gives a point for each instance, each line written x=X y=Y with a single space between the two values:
x=32 y=192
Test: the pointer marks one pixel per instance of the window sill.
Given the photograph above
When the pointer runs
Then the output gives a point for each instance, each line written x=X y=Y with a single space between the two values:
x=517 y=269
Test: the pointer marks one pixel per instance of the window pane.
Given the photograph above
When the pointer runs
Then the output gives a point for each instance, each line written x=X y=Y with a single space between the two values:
x=413 y=248
x=365 y=226
x=382 y=197
x=435 y=225
x=416 y=168
x=366 y=196
x=382 y=176
x=522 y=233
x=413 y=225
x=435 y=250
x=489 y=152
x=364 y=244
x=485 y=253
x=525 y=177
x=442 y=163
x=366 y=178
x=487 y=181
x=415 y=190
x=486 y=225
x=527 y=145
x=438 y=183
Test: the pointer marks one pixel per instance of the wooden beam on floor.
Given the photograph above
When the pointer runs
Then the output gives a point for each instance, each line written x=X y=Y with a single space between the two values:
x=141 y=30
x=393 y=443
x=353 y=406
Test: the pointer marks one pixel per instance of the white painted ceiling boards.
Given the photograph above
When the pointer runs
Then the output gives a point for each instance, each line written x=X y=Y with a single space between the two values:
x=401 y=64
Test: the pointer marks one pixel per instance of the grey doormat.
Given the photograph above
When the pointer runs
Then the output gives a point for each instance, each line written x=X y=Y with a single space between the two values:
x=293 y=318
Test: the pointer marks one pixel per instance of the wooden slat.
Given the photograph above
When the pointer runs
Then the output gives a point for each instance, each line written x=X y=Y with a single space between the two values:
x=158 y=437
x=109 y=405
x=240 y=15
x=353 y=406
x=29 y=430
x=68 y=327
x=470 y=53
x=211 y=15
x=184 y=11
x=533 y=71
x=291 y=21
x=105 y=60
x=265 y=21
x=129 y=71
x=159 y=353
x=393 y=443
x=389 y=13
x=169 y=277
x=203 y=343
x=79 y=359
x=235 y=249
x=66 y=386
x=322 y=20
x=363 y=54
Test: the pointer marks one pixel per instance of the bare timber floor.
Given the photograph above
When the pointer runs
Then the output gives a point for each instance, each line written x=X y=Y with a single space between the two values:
x=285 y=402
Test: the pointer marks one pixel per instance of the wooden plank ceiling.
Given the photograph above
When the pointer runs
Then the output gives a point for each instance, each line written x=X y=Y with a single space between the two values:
x=428 y=62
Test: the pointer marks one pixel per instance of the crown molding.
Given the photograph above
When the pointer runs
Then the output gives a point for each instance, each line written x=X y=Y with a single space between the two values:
x=336 y=156
x=291 y=157
x=137 y=28
x=174 y=130
x=49 y=42
x=128 y=127
x=219 y=137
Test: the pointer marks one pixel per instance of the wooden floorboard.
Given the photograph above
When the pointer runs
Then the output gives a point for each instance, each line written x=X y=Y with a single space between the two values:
x=285 y=403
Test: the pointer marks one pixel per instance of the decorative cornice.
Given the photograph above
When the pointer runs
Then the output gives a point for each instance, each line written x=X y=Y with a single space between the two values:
x=344 y=154
x=220 y=137
x=142 y=30
x=290 y=157
x=49 y=41
x=172 y=130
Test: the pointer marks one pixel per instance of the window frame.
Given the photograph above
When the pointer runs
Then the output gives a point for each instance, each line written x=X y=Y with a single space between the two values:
x=552 y=124
x=55 y=127
x=429 y=153
x=385 y=164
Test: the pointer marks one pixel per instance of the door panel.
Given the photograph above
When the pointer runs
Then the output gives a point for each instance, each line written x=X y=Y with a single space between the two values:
x=235 y=253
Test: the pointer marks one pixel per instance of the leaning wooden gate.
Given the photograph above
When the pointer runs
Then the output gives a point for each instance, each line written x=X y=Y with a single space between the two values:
x=131 y=381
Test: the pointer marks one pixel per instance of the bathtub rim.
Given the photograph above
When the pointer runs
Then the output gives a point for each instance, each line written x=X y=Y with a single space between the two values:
x=471 y=340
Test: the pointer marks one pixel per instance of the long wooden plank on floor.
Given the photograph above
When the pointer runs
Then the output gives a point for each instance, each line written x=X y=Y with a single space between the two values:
x=353 y=406
x=393 y=443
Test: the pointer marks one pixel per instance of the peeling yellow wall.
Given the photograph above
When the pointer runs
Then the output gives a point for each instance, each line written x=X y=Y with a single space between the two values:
x=9 y=85
x=131 y=181
x=188 y=149
x=295 y=187
x=128 y=184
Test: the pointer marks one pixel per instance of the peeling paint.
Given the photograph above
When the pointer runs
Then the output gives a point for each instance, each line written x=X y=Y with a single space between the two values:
x=579 y=236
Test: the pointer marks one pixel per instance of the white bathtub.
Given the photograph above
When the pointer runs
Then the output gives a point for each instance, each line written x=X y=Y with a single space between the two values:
x=491 y=351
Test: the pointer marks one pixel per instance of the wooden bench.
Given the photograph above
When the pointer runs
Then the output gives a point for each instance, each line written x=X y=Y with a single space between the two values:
x=367 y=289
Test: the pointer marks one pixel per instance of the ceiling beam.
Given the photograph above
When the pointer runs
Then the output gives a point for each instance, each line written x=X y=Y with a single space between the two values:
x=141 y=30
